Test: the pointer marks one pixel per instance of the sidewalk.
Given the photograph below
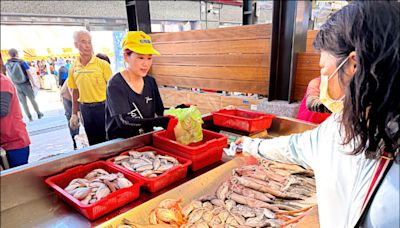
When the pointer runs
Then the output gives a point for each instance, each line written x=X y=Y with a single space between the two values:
x=49 y=135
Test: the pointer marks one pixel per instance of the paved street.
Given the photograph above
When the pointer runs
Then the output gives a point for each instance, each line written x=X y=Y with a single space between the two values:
x=49 y=135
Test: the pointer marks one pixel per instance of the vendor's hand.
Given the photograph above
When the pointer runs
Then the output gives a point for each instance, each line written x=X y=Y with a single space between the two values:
x=74 y=122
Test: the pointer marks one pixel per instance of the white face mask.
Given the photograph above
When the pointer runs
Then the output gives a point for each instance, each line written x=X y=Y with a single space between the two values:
x=334 y=106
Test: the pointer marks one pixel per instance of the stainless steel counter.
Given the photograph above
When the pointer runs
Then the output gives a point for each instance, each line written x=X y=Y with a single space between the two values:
x=26 y=201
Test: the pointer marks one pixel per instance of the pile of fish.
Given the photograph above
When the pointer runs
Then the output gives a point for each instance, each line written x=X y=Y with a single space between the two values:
x=96 y=185
x=269 y=194
x=264 y=195
x=167 y=214
x=148 y=163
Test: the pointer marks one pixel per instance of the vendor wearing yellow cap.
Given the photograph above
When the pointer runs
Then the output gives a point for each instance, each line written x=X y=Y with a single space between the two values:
x=133 y=104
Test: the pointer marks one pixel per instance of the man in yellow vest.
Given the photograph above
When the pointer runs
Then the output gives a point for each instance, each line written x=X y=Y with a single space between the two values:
x=88 y=78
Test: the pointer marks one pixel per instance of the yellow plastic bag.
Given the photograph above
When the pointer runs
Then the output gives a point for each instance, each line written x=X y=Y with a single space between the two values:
x=188 y=130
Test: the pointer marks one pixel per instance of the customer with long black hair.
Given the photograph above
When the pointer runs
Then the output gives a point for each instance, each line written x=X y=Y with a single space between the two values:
x=360 y=67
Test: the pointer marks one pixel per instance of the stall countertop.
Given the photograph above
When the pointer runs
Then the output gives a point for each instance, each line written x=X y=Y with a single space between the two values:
x=26 y=201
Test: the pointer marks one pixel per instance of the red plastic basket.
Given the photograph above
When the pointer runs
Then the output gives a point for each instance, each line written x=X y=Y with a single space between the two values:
x=103 y=206
x=243 y=120
x=203 y=153
x=157 y=183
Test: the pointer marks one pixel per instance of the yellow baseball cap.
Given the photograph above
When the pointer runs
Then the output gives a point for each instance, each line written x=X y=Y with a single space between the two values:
x=139 y=42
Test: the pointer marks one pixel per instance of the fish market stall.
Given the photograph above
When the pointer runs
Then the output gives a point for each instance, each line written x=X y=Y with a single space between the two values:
x=26 y=200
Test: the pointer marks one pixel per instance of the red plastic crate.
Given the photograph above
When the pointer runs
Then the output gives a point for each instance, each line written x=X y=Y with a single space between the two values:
x=103 y=206
x=203 y=153
x=157 y=183
x=243 y=120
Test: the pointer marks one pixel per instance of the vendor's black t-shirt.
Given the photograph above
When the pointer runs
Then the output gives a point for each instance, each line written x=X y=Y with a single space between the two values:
x=121 y=99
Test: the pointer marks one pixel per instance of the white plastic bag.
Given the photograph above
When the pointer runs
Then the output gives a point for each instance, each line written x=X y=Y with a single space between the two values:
x=189 y=127
x=81 y=141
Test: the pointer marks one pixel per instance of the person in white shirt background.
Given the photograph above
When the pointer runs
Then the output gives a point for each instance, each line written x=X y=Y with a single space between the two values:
x=360 y=84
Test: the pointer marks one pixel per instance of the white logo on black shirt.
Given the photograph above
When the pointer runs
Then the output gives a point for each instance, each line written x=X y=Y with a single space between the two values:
x=135 y=113
x=148 y=99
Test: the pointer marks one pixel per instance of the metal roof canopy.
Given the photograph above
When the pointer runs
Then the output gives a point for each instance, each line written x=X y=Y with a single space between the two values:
x=91 y=23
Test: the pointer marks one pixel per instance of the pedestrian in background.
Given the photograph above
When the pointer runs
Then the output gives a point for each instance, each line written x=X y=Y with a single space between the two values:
x=68 y=63
x=103 y=57
x=14 y=138
x=35 y=78
x=18 y=71
x=88 y=77
x=67 y=103
x=62 y=75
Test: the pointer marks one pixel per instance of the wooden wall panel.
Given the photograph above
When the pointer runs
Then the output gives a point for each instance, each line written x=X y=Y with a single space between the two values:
x=304 y=77
x=218 y=59
x=231 y=59
x=206 y=102
x=214 y=47
x=172 y=97
x=308 y=61
x=214 y=84
x=311 y=34
x=209 y=72
x=238 y=59
x=239 y=102
x=239 y=32
x=307 y=69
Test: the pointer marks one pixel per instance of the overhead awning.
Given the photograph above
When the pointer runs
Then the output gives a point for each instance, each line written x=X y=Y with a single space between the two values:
x=35 y=42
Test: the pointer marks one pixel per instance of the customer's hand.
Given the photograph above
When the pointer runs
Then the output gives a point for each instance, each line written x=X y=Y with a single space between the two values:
x=74 y=121
x=244 y=147
x=240 y=140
